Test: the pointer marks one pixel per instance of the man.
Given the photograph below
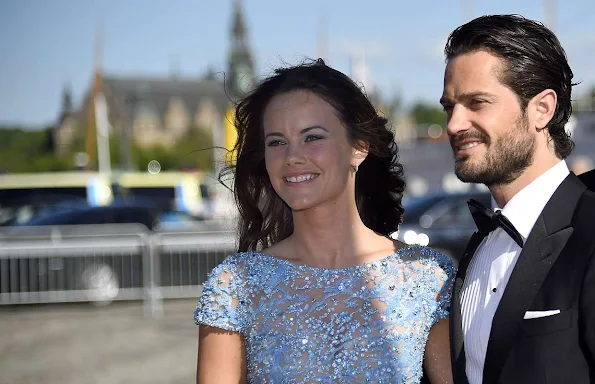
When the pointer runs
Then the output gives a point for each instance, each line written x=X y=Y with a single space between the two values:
x=523 y=304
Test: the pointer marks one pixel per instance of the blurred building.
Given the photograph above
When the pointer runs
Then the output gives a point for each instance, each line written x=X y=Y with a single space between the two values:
x=582 y=128
x=160 y=110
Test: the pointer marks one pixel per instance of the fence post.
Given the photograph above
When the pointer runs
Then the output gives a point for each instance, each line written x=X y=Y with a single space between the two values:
x=153 y=299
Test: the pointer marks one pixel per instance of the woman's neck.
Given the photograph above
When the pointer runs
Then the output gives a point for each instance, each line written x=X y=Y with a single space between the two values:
x=331 y=238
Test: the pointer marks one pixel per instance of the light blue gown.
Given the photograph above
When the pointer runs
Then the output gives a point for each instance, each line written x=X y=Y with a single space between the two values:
x=302 y=324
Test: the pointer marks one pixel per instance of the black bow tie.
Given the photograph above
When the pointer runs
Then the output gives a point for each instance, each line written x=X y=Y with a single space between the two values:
x=488 y=220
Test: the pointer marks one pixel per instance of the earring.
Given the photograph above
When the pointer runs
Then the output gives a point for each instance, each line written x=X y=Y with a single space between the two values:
x=355 y=167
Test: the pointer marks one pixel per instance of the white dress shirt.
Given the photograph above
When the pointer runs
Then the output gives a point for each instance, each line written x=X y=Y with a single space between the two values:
x=492 y=265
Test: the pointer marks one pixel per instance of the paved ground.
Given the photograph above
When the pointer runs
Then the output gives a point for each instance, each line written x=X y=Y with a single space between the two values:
x=82 y=344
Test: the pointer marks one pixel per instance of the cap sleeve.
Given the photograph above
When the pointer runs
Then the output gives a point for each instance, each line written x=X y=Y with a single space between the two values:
x=220 y=304
x=444 y=272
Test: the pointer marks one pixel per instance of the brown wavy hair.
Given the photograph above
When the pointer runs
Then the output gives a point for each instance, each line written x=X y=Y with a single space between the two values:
x=264 y=219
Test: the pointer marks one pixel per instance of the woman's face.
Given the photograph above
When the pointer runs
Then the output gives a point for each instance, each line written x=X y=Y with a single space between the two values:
x=308 y=156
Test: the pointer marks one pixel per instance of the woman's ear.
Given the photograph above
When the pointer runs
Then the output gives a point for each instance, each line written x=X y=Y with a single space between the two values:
x=360 y=151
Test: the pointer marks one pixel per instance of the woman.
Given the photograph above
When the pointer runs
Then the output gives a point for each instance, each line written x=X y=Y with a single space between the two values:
x=319 y=292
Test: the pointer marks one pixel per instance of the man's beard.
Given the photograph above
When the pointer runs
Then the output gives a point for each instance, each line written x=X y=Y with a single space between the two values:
x=506 y=157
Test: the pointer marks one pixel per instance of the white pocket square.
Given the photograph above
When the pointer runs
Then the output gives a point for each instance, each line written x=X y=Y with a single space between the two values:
x=538 y=314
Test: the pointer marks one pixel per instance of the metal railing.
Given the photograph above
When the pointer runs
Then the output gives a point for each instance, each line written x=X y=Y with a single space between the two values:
x=102 y=263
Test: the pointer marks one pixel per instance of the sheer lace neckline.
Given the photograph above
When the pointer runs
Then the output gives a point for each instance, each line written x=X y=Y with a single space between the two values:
x=304 y=267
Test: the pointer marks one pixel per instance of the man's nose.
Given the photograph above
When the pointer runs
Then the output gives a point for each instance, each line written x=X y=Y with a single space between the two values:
x=458 y=120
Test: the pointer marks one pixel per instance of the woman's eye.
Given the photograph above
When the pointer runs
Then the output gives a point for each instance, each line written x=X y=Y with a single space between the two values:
x=274 y=143
x=313 y=138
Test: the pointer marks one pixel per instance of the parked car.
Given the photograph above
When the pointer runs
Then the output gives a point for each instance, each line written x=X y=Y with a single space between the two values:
x=122 y=211
x=111 y=214
x=442 y=221
x=19 y=210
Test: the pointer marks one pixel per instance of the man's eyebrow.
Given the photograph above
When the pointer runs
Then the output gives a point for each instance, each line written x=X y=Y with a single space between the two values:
x=465 y=97
x=471 y=95
x=445 y=100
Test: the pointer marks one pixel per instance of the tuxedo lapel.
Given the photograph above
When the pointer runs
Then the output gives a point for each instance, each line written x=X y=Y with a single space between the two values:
x=541 y=250
x=456 y=324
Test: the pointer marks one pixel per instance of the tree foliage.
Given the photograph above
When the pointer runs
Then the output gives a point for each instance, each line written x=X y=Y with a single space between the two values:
x=424 y=113
x=28 y=151
x=193 y=150
x=33 y=151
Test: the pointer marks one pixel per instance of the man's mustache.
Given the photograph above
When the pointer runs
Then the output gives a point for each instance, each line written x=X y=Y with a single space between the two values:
x=475 y=135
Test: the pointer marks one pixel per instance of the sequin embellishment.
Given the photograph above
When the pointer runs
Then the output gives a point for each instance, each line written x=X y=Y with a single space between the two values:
x=358 y=324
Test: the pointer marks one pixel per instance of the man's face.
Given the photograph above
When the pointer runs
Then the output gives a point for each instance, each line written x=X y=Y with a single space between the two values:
x=489 y=133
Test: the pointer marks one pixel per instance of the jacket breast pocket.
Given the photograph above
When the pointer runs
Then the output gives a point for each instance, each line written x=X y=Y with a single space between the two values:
x=548 y=324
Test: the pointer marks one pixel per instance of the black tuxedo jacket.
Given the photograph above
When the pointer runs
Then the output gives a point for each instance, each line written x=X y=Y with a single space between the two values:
x=588 y=178
x=555 y=270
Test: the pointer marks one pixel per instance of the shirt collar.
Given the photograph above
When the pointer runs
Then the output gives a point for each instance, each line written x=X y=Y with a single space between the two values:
x=525 y=207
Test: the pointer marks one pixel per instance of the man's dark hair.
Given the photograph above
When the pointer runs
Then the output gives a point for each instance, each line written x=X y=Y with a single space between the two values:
x=534 y=61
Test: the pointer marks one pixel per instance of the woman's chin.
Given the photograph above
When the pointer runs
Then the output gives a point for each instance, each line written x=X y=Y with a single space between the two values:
x=301 y=205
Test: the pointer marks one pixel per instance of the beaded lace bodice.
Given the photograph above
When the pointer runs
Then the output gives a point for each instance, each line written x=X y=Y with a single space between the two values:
x=301 y=324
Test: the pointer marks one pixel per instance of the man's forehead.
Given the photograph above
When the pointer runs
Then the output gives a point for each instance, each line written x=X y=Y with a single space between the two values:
x=469 y=77
x=477 y=63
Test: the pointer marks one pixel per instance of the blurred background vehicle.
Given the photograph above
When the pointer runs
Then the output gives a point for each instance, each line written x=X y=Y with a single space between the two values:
x=143 y=211
x=441 y=220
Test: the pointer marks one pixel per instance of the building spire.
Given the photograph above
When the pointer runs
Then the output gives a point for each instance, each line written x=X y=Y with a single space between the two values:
x=238 y=28
x=241 y=67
